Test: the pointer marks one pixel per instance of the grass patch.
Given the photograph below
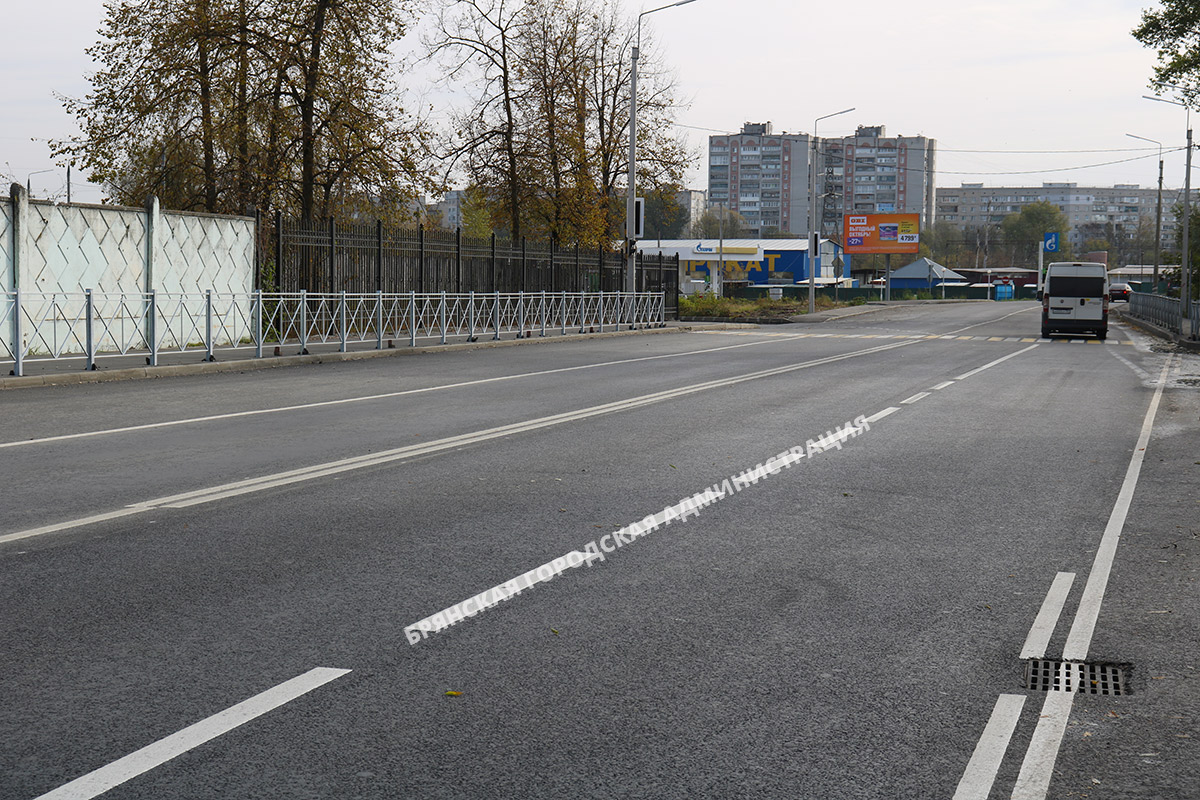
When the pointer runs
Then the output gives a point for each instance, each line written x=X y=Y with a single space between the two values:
x=736 y=308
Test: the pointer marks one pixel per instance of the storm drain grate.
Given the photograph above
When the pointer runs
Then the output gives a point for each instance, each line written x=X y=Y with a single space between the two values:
x=1075 y=676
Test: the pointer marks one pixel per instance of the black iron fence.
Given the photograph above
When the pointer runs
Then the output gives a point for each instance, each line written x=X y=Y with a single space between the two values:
x=373 y=257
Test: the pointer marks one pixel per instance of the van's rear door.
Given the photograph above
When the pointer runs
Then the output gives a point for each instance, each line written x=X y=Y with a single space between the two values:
x=1076 y=297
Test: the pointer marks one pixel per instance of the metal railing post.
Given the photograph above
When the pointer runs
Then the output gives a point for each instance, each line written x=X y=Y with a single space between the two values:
x=379 y=319
x=496 y=316
x=520 y=315
x=471 y=316
x=412 y=319
x=303 y=322
x=258 y=329
x=564 y=300
x=208 y=329
x=88 y=310
x=602 y=311
x=342 y=318
x=18 y=347
x=152 y=327
x=442 y=314
x=543 y=310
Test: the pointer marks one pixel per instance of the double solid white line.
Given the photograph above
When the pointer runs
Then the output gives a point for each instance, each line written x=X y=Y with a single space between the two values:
x=288 y=477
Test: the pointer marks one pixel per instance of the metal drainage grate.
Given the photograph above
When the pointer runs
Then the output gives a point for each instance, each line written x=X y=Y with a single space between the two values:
x=1075 y=676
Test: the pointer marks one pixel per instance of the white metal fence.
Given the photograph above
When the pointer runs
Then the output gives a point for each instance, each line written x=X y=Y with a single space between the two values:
x=1162 y=311
x=42 y=326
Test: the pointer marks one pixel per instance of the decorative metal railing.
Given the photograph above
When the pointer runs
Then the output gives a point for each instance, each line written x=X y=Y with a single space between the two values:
x=89 y=325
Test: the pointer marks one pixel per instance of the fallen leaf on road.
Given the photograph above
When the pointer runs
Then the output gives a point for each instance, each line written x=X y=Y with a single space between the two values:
x=453 y=694
x=552 y=630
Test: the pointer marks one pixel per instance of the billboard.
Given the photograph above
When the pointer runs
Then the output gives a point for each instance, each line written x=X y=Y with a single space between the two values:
x=882 y=233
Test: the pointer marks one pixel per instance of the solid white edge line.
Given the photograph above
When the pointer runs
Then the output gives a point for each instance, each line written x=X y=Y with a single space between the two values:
x=991 y=364
x=881 y=414
x=368 y=398
x=942 y=385
x=1080 y=637
x=1047 y=617
x=1033 y=781
x=153 y=755
x=980 y=774
x=914 y=398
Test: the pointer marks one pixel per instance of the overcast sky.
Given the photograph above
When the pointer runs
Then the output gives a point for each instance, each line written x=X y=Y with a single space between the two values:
x=1024 y=75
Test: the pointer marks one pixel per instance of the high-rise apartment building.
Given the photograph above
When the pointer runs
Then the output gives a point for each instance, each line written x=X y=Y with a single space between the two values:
x=870 y=172
x=764 y=177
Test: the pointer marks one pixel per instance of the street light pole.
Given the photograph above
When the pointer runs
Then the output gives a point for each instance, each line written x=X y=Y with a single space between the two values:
x=814 y=235
x=1185 y=268
x=1158 y=208
x=28 y=184
x=631 y=192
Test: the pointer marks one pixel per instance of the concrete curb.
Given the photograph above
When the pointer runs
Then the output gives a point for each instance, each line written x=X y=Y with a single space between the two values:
x=1154 y=330
x=275 y=362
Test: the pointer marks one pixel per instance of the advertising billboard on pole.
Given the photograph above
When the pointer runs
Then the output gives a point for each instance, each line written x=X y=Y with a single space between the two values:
x=882 y=233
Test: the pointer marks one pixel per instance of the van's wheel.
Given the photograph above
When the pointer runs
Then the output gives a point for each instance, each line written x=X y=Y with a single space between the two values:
x=1045 y=333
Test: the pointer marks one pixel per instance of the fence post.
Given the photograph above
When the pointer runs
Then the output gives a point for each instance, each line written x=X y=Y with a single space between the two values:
x=342 y=318
x=421 y=258
x=496 y=316
x=412 y=319
x=303 y=322
x=543 y=283
x=442 y=313
x=378 y=255
x=602 y=310
x=523 y=264
x=258 y=331
x=379 y=320
x=495 y=286
x=458 y=259
x=152 y=327
x=17 y=346
x=543 y=301
x=278 y=250
x=332 y=253
x=90 y=344
x=471 y=316
x=564 y=303
x=208 y=330
x=578 y=270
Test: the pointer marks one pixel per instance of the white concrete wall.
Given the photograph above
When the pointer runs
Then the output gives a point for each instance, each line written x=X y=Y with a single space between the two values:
x=67 y=249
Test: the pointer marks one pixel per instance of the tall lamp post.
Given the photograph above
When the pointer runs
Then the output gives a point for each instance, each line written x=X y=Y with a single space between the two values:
x=1185 y=269
x=814 y=235
x=1158 y=208
x=631 y=198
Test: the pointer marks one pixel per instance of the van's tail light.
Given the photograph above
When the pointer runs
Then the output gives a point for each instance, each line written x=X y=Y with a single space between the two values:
x=1105 y=304
x=1045 y=301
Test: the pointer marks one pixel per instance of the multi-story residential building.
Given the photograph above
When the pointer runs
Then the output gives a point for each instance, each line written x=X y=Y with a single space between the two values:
x=1093 y=212
x=450 y=208
x=870 y=172
x=695 y=201
x=765 y=177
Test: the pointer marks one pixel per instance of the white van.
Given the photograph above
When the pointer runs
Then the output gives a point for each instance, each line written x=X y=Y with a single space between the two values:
x=1075 y=298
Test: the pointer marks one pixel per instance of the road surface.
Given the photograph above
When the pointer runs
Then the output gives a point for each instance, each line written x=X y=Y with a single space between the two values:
x=210 y=585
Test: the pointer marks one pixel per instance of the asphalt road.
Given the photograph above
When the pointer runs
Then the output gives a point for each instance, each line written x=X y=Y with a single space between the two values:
x=850 y=627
